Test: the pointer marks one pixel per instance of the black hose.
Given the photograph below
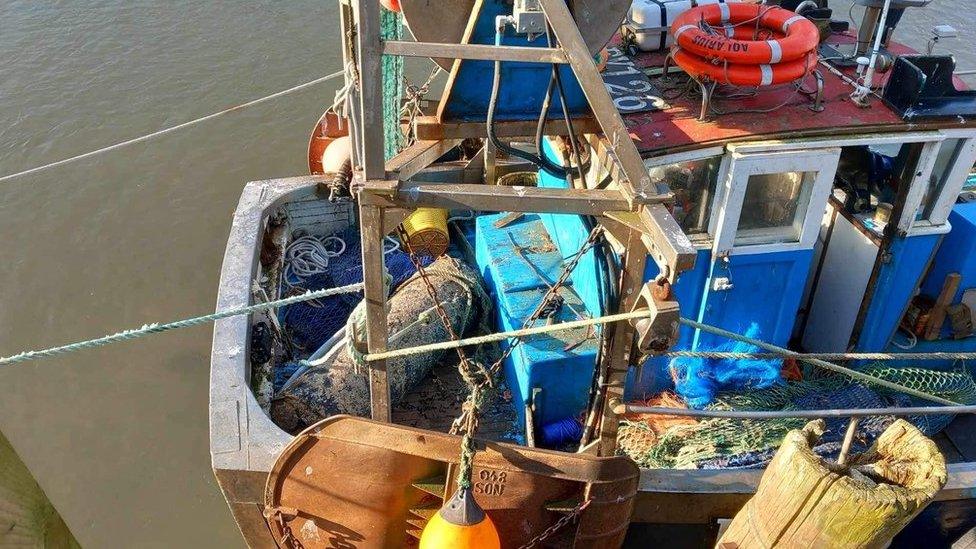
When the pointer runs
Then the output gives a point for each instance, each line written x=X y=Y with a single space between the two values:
x=569 y=123
x=540 y=161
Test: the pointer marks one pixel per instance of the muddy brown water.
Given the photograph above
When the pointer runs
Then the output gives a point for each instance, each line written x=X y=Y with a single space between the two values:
x=117 y=437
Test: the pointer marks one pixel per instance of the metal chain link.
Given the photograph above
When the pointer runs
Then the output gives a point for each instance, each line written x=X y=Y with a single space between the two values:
x=541 y=307
x=559 y=524
x=469 y=415
x=439 y=308
x=288 y=538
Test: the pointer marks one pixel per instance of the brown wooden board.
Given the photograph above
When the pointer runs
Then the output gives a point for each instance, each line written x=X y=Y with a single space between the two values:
x=351 y=482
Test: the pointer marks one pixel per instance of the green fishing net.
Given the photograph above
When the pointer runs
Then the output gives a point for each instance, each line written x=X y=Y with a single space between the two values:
x=737 y=443
x=391 y=28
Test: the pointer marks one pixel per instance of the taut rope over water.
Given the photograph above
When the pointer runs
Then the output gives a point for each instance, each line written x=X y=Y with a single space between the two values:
x=171 y=129
x=156 y=328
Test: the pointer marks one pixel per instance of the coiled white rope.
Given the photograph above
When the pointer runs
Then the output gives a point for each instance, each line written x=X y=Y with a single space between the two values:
x=309 y=256
x=171 y=129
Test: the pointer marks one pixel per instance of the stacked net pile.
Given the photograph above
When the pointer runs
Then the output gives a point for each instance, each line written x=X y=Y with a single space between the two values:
x=340 y=384
x=737 y=443
x=309 y=324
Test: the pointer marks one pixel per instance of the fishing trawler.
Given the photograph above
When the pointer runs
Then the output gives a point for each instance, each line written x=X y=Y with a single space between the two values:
x=596 y=222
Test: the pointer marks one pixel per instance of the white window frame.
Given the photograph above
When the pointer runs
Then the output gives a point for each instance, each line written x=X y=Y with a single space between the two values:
x=701 y=240
x=739 y=167
x=956 y=175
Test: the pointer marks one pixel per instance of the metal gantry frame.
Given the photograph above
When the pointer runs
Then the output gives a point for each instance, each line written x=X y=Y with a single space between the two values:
x=635 y=212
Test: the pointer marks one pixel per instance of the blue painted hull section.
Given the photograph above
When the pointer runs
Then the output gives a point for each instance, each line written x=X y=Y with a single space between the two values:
x=894 y=288
x=957 y=254
x=523 y=85
x=767 y=292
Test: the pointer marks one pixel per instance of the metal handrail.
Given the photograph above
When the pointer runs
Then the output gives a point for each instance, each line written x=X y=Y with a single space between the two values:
x=622 y=409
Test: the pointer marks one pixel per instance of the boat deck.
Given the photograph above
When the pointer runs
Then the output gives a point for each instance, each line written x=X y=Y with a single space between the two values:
x=676 y=126
x=436 y=402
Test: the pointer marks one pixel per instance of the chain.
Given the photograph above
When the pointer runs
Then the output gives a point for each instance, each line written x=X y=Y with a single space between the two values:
x=553 y=290
x=559 y=524
x=411 y=106
x=288 y=538
x=466 y=364
x=475 y=375
x=468 y=420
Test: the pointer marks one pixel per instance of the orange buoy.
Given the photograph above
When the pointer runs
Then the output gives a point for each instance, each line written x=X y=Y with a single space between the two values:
x=392 y=5
x=460 y=524
x=329 y=128
x=729 y=44
x=745 y=75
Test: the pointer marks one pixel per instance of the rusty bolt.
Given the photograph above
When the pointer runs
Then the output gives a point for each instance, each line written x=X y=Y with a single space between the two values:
x=661 y=290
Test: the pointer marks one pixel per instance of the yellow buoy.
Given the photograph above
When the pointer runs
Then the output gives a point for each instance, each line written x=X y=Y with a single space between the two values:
x=426 y=230
x=460 y=524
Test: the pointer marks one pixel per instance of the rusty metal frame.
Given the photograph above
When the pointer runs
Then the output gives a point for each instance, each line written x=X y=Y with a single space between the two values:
x=389 y=191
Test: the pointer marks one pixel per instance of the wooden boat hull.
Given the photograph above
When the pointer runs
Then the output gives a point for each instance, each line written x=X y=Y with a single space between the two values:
x=245 y=443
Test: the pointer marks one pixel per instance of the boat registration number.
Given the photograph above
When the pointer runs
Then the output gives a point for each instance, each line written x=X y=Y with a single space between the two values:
x=490 y=483
x=630 y=89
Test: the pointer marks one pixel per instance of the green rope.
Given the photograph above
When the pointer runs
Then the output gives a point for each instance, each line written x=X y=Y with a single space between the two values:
x=155 y=328
x=476 y=399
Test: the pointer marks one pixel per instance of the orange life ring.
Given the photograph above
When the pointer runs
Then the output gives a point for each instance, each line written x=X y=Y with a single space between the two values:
x=745 y=75
x=800 y=34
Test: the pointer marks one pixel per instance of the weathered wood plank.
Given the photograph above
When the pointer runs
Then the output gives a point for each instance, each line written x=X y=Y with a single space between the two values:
x=27 y=518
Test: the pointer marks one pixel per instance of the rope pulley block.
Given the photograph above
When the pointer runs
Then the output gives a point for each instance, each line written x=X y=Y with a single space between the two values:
x=657 y=332
x=745 y=44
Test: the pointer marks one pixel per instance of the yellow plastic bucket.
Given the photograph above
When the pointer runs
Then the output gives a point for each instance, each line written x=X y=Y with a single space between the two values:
x=426 y=230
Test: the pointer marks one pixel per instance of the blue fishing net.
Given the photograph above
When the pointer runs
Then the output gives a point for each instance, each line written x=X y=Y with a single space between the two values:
x=348 y=267
x=698 y=380
x=309 y=324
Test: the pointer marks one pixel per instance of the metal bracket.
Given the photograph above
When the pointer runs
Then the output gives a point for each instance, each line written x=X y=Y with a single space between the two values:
x=658 y=332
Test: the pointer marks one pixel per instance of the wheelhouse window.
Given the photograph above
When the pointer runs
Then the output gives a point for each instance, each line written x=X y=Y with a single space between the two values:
x=774 y=207
x=950 y=153
x=693 y=183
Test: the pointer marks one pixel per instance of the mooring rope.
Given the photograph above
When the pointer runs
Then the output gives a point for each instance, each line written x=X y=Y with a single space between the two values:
x=774 y=350
x=622 y=409
x=728 y=355
x=171 y=129
x=156 y=328
x=501 y=336
x=780 y=351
